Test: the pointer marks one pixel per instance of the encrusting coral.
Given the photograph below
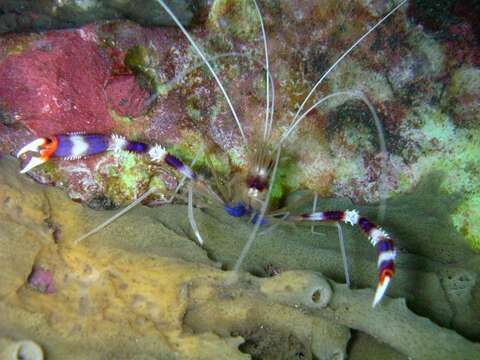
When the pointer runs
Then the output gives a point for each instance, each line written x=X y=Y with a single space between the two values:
x=131 y=296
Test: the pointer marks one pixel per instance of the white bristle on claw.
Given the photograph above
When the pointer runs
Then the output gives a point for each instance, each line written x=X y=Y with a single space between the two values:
x=118 y=143
x=157 y=153
x=351 y=217
x=376 y=235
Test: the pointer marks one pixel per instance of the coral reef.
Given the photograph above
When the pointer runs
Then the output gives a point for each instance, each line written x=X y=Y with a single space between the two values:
x=146 y=83
x=150 y=293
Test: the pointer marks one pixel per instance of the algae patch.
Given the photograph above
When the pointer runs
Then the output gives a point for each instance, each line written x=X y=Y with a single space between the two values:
x=466 y=220
x=440 y=146
x=126 y=177
x=237 y=18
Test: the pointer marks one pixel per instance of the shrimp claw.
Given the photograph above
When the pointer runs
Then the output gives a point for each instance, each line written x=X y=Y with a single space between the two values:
x=382 y=241
x=67 y=146
x=37 y=146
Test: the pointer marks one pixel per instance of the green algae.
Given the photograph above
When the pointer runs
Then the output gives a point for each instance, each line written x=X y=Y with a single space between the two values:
x=140 y=61
x=190 y=146
x=465 y=80
x=426 y=47
x=443 y=147
x=464 y=92
x=126 y=177
x=124 y=120
x=236 y=18
x=157 y=183
x=284 y=182
x=50 y=169
x=352 y=126
x=466 y=220
x=137 y=58
x=193 y=109
x=439 y=146
x=351 y=75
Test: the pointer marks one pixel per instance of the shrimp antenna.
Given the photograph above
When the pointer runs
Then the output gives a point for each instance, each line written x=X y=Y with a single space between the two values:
x=297 y=122
x=343 y=251
x=384 y=152
x=117 y=215
x=191 y=218
x=176 y=80
x=258 y=220
x=268 y=118
x=138 y=201
x=204 y=59
x=380 y=133
x=341 y=241
x=330 y=69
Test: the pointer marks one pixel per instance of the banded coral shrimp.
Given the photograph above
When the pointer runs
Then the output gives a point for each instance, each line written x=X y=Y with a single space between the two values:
x=257 y=184
x=261 y=174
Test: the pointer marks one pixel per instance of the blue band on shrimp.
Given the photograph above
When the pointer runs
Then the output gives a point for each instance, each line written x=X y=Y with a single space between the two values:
x=385 y=245
x=256 y=220
x=365 y=225
x=235 y=210
x=158 y=154
x=137 y=147
x=75 y=146
x=180 y=166
x=119 y=143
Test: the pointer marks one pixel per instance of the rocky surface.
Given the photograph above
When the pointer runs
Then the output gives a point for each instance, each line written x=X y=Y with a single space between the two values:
x=27 y=16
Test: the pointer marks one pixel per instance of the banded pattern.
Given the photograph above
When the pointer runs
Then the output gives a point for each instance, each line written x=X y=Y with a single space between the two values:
x=382 y=241
x=77 y=145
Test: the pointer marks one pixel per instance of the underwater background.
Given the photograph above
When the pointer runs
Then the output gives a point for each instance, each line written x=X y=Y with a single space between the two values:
x=142 y=287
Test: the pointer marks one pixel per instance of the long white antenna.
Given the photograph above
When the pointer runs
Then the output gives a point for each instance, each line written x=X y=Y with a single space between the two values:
x=204 y=58
x=272 y=109
x=330 y=69
x=117 y=215
x=344 y=254
x=138 y=201
x=380 y=133
x=266 y=129
x=297 y=122
x=383 y=148
x=191 y=217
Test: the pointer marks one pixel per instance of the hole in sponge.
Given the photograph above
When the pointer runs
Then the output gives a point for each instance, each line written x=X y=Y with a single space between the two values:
x=316 y=296
x=28 y=350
